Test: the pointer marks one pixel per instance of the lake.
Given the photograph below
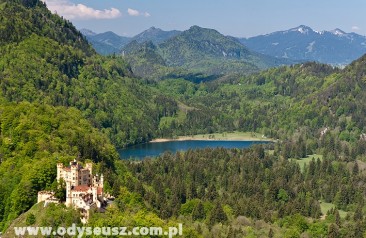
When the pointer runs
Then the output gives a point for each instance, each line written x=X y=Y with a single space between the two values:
x=155 y=149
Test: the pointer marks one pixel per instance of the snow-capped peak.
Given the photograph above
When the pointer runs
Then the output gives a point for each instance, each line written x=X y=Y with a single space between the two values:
x=338 y=32
x=302 y=29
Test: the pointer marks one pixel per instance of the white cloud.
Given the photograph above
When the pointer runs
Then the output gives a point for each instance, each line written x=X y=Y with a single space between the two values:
x=72 y=11
x=356 y=28
x=135 y=13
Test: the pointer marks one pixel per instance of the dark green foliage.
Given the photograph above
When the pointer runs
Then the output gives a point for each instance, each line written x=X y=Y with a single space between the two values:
x=199 y=212
x=239 y=176
x=20 y=21
x=60 y=190
x=270 y=233
x=30 y=220
x=333 y=231
x=217 y=215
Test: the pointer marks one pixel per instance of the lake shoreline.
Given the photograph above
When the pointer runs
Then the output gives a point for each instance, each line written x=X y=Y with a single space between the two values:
x=216 y=137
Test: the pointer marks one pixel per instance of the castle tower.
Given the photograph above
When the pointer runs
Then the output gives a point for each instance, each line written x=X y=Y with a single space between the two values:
x=95 y=181
x=95 y=193
x=68 y=194
x=89 y=166
x=60 y=167
x=101 y=181
x=74 y=167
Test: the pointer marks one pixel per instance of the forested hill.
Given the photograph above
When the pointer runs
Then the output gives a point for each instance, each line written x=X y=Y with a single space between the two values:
x=22 y=18
x=45 y=59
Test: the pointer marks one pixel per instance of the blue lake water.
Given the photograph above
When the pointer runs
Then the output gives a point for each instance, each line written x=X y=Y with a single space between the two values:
x=155 y=149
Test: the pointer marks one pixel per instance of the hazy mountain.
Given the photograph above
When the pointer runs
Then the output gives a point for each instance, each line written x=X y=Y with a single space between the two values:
x=155 y=35
x=112 y=39
x=87 y=32
x=109 y=42
x=303 y=43
x=105 y=43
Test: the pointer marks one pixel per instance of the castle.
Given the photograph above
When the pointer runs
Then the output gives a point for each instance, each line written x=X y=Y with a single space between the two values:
x=83 y=190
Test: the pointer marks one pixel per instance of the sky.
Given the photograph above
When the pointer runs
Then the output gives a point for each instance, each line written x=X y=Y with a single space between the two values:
x=240 y=18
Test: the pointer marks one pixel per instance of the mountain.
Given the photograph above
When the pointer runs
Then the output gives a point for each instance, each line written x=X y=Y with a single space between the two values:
x=105 y=43
x=87 y=32
x=303 y=43
x=108 y=43
x=208 y=51
x=155 y=35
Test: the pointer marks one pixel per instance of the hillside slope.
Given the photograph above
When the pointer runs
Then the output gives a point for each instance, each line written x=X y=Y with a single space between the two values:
x=51 y=62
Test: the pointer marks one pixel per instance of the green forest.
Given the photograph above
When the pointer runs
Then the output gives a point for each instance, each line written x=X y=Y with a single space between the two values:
x=60 y=100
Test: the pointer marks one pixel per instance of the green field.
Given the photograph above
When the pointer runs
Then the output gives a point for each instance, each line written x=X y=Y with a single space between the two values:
x=303 y=161
x=325 y=207
x=249 y=136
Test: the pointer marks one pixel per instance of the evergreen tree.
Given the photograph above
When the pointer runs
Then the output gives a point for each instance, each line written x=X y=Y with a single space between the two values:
x=270 y=233
x=337 y=218
x=333 y=231
x=217 y=215
x=355 y=169
x=199 y=212
x=358 y=215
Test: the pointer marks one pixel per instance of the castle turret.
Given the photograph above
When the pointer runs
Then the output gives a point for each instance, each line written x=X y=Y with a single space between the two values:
x=60 y=167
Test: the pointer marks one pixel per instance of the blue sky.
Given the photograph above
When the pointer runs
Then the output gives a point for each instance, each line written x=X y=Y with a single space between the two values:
x=242 y=18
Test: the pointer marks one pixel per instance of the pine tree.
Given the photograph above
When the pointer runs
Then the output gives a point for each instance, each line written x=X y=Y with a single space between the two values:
x=270 y=233
x=358 y=230
x=355 y=168
x=217 y=215
x=199 y=212
x=333 y=231
x=358 y=216
x=337 y=217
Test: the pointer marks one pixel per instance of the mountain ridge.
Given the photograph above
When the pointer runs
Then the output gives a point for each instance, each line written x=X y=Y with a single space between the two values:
x=207 y=51
x=303 y=43
x=298 y=44
x=108 y=43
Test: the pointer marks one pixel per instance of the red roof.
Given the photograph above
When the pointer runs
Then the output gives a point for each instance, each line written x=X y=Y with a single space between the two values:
x=81 y=188
x=99 y=190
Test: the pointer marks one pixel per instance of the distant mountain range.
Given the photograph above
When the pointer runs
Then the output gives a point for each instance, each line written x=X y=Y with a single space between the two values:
x=303 y=43
x=108 y=42
x=199 y=50
x=297 y=44
x=155 y=35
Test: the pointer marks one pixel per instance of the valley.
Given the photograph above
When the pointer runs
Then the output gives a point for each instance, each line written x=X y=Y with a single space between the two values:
x=60 y=100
